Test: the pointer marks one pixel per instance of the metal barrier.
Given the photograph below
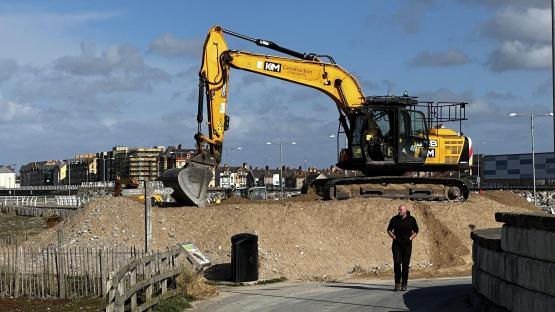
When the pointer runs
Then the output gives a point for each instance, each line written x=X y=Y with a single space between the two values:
x=44 y=201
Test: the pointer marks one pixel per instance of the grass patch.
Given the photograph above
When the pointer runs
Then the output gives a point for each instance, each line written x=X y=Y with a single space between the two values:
x=175 y=304
x=51 y=305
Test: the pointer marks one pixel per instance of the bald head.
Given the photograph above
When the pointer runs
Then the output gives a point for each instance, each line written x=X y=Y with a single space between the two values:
x=402 y=210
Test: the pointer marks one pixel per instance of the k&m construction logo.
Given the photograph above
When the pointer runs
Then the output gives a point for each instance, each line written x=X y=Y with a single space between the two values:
x=274 y=67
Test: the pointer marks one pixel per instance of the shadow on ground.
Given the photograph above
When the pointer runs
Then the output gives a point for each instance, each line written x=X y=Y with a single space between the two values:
x=218 y=272
x=453 y=298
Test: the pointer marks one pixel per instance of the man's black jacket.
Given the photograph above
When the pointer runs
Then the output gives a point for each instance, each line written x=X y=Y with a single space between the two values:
x=403 y=228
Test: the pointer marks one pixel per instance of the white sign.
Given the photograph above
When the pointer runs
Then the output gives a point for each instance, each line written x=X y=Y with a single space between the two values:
x=194 y=255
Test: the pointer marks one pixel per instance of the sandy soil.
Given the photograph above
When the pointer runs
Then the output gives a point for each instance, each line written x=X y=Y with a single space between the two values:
x=302 y=239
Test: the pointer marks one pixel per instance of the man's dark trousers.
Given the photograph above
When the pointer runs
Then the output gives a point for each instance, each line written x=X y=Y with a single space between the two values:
x=401 y=260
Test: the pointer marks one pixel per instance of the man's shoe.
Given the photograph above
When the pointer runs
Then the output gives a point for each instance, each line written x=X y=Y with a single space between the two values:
x=403 y=287
x=397 y=287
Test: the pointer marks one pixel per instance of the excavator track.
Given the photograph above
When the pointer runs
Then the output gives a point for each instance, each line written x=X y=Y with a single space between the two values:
x=413 y=188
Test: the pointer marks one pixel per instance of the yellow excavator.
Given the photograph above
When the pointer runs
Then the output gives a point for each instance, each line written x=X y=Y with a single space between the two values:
x=389 y=138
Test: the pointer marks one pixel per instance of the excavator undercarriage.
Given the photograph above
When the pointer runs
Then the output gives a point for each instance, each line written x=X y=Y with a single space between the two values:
x=414 y=188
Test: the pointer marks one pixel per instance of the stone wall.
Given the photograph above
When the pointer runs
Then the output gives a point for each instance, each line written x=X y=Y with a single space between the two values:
x=514 y=266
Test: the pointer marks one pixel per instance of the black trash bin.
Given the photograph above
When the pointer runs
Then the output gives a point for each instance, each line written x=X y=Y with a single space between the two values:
x=244 y=257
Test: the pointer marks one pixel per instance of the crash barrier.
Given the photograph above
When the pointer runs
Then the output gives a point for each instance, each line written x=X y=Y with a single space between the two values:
x=44 y=201
x=27 y=211
x=41 y=188
x=107 y=184
x=514 y=266
x=144 y=282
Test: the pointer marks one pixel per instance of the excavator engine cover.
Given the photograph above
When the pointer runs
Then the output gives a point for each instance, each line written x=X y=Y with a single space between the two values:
x=189 y=183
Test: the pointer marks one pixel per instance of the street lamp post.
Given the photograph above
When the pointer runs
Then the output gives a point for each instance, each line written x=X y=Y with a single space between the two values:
x=69 y=177
x=532 y=135
x=233 y=148
x=479 y=175
x=281 y=162
x=103 y=169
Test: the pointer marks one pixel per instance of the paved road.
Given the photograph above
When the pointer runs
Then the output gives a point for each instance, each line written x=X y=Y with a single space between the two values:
x=422 y=295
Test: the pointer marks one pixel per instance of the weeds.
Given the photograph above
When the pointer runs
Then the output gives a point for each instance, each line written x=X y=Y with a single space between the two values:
x=193 y=285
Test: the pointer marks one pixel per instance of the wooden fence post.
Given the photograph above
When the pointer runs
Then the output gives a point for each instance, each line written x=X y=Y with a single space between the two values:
x=163 y=268
x=120 y=306
x=133 y=281
x=18 y=250
x=103 y=272
x=61 y=266
x=148 y=275
x=111 y=293
x=148 y=218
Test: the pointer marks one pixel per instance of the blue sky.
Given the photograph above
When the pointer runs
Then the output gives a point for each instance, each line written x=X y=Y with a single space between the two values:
x=80 y=76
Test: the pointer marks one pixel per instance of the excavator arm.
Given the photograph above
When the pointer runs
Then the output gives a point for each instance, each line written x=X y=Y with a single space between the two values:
x=191 y=183
x=309 y=71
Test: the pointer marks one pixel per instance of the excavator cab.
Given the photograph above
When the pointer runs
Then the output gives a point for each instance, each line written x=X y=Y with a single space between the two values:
x=386 y=135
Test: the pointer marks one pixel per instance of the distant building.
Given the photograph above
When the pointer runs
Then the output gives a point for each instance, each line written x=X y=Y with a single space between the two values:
x=7 y=178
x=516 y=169
x=233 y=177
x=176 y=157
x=142 y=163
x=82 y=168
x=40 y=173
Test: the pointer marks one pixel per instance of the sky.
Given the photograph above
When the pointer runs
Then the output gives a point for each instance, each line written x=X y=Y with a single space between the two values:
x=84 y=76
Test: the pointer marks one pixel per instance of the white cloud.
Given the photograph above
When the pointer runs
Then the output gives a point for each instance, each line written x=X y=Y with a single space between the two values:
x=517 y=55
x=169 y=45
x=450 y=57
x=522 y=36
x=16 y=113
x=7 y=68
x=527 y=25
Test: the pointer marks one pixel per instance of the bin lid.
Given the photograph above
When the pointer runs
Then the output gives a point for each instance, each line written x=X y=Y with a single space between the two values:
x=243 y=237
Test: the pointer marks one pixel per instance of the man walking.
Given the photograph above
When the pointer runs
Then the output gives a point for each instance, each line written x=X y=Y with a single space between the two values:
x=402 y=229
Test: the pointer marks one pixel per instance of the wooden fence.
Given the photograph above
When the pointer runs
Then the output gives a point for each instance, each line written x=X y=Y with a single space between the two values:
x=143 y=282
x=59 y=272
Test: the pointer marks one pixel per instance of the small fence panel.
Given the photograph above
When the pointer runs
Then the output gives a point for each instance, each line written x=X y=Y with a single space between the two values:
x=59 y=272
x=44 y=201
x=143 y=282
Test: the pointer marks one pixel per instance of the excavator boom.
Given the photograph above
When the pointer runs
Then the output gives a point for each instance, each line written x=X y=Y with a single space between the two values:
x=191 y=183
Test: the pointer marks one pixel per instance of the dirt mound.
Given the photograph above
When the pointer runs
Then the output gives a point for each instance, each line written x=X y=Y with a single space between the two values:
x=299 y=239
x=510 y=199
x=447 y=249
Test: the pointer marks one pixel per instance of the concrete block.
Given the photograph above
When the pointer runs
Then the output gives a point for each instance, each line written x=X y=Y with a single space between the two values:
x=481 y=304
x=538 y=220
x=510 y=296
x=526 y=300
x=533 y=274
x=489 y=261
x=488 y=238
x=532 y=243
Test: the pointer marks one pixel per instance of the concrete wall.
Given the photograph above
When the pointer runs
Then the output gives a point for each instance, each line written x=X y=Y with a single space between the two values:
x=514 y=267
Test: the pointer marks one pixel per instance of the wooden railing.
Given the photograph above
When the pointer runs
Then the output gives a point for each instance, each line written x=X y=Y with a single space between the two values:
x=143 y=282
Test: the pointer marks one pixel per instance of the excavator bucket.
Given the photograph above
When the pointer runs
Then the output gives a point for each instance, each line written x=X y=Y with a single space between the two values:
x=189 y=183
